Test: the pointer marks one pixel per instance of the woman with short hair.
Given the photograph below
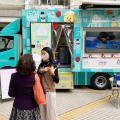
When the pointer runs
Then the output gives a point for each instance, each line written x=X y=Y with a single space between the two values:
x=21 y=87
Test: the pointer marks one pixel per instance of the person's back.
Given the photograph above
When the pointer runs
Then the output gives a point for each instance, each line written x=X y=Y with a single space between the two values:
x=21 y=87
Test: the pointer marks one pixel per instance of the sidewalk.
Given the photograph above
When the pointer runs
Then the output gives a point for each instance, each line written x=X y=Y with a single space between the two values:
x=77 y=104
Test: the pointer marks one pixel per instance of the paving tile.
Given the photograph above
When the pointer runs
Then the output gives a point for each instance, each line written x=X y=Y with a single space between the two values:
x=68 y=100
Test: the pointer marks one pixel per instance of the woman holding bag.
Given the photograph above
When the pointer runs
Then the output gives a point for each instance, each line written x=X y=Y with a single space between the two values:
x=21 y=87
x=49 y=72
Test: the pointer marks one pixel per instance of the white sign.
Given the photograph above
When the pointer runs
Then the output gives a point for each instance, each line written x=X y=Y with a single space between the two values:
x=118 y=62
x=102 y=62
x=37 y=57
x=87 y=62
x=118 y=82
x=5 y=76
x=41 y=31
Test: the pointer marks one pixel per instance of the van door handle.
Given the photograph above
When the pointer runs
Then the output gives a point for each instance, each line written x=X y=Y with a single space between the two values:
x=32 y=46
x=11 y=58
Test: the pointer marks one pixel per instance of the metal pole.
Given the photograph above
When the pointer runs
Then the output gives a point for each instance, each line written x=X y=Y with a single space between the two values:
x=0 y=90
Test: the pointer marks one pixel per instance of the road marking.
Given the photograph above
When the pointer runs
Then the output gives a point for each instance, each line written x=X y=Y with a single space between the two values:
x=97 y=91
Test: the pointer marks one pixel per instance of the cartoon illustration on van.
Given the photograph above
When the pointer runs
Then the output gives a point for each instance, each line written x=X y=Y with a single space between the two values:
x=42 y=16
x=69 y=16
x=114 y=24
x=95 y=21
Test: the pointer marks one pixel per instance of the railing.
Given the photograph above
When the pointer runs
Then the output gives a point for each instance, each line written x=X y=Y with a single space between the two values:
x=54 y=2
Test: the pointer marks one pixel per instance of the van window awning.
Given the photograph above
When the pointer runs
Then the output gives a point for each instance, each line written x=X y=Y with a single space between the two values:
x=100 y=4
x=13 y=27
x=84 y=6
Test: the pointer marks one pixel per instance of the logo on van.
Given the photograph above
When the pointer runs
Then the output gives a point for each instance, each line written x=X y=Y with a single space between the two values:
x=41 y=31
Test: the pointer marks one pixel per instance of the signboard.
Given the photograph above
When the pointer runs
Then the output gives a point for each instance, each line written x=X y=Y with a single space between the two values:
x=41 y=35
x=102 y=62
x=5 y=76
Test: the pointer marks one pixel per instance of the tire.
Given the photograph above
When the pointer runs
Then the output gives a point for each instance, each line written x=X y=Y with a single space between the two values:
x=100 y=81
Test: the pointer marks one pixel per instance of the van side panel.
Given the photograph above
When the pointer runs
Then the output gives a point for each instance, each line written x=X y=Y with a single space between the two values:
x=9 y=58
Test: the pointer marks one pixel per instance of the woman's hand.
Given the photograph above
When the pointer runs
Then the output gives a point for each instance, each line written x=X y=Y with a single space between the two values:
x=46 y=69
x=52 y=70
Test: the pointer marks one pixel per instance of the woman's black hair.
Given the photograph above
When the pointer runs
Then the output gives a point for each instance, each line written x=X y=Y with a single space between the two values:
x=51 y=59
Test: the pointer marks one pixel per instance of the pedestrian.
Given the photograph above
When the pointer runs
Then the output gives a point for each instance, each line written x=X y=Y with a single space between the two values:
x=49 y=72
x=21 y=87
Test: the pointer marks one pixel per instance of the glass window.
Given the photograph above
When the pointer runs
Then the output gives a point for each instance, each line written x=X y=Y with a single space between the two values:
x=102 y=42
x=49 y=2
x=54 y=2
x=6 y=43
x=66 y=2
x=44 y=2
x=60 y=2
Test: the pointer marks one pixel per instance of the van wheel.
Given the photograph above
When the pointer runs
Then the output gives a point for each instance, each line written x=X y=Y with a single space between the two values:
x=100 y=81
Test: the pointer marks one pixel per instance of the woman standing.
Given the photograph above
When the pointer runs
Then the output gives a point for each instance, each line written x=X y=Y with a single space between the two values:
x=49 y=73
x=21 y=87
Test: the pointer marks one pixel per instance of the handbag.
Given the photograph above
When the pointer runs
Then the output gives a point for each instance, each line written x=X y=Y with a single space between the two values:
x=38 y=91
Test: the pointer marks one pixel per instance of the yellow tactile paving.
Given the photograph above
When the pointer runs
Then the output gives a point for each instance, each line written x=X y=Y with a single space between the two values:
x=79 y=111
x=3 y=118
x=65 y=88
x=97 y=91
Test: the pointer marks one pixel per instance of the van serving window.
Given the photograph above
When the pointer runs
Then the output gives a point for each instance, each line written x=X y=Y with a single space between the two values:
x=6 y=43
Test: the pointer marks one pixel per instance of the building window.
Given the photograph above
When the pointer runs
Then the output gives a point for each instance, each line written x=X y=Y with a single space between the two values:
x=55 y=2
x=60 y=2
x=6 y=43
x=44 y=2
